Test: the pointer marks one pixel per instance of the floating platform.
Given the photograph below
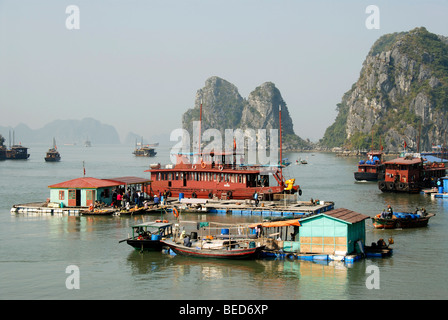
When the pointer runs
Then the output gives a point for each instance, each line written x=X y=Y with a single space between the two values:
x=248 y=208
x=244 y=208
x=44 y=208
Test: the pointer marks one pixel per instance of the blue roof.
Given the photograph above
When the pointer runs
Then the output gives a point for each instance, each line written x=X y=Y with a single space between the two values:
x=434 y=159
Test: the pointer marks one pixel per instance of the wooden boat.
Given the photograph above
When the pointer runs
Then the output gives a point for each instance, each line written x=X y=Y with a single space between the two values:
x=52 y=154
x=378 y=249
x=410 y=174
x=98 y=212
x=217 y=249
x=149 y=235
x=401 y=220
x=372 y=169
x=144 y=150
x=217 y=174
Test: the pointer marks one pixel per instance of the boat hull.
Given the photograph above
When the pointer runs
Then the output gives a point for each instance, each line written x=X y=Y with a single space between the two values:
x=249 y=253
x=147 y=244
x=368 y=176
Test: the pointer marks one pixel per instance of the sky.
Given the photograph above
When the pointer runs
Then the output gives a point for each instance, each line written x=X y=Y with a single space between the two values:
x=137 y=64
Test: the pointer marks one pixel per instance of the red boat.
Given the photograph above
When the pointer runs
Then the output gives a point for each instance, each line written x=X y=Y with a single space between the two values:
x=410 y=174
x=214 y=177
x=218 y=175
x=371 y=169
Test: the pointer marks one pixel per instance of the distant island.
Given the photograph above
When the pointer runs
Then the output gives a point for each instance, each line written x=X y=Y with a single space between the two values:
x=65 y=132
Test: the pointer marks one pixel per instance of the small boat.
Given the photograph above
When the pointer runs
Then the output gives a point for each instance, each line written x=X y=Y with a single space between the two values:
x=142 y=150
x=52 y=154
x=217 y=248
x=379 y=249
x=402 y=220
x=149 y=235
x=98 y=212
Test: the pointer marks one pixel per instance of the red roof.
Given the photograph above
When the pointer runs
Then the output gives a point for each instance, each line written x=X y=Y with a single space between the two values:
x=86 y=183
x=404 y=161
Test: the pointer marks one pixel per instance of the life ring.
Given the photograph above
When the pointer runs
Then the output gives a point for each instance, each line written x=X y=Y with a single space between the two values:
x=300 y=192
x=194 y=195
x=390 y=186
x=229 y=194
x=221 y=167
x=203 y=165
x=382 y=185
x=210 y=195
x=176 y=213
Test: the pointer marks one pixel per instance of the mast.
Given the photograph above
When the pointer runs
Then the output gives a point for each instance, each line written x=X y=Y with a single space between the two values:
x=200 y=127
x=281 y=149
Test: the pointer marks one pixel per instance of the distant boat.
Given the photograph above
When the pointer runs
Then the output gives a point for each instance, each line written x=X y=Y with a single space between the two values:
x=17 y=151
x=87 y=143
x=145 y=150
x=52 y=154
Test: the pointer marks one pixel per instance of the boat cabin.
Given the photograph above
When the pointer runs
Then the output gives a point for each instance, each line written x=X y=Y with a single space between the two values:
x=410 y=174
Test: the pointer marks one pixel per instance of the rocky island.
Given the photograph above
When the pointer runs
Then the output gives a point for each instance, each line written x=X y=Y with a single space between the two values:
x=401 y=96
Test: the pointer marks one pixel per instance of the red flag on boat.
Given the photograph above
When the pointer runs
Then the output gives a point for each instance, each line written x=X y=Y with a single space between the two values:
x=405 y=144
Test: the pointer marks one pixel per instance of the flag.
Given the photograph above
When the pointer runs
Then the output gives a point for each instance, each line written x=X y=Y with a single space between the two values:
x=405 y=144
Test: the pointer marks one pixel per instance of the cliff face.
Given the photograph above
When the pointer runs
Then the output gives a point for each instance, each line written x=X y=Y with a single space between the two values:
x=224 y=108
x=401 y=95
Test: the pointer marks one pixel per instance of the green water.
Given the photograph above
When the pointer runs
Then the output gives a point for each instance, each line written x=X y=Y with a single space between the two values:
x=36 y=250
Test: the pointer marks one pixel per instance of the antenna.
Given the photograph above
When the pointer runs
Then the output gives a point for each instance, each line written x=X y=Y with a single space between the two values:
x=281 y=148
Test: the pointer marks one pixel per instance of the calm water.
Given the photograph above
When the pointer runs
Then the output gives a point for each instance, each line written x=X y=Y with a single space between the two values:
x=35 y=250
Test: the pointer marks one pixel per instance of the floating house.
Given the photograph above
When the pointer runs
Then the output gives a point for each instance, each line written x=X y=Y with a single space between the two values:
x=82 y=192
x=335 y=232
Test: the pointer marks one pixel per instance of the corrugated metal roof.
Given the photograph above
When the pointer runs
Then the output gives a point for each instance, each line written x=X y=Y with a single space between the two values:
x=130 y=180
x=347 y=215
x=404 y=161
x=342 y=214
x=86 y=183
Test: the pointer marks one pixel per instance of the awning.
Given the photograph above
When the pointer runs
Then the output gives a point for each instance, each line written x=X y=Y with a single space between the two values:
x=273 y=224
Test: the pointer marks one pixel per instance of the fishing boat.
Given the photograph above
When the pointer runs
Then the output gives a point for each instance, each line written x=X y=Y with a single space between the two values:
x=149 y=235
x=372 y=169
x=217 y=248
x=142 y=150
x=16 y=151
x=53 y=154
x=402 y=220
x=98 y=212
x=217 y=175
x=378 y=249
x=410 y=174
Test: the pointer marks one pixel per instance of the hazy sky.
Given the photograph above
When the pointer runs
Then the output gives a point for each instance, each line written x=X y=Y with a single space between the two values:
x=137 y=65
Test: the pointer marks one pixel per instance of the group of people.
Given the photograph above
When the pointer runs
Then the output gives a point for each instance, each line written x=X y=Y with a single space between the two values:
x=122 y=198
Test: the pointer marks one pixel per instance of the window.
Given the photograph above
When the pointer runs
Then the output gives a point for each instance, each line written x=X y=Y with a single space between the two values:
x=61 y=195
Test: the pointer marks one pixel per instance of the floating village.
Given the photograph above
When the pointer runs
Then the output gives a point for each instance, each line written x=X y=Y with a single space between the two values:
x=214 y=183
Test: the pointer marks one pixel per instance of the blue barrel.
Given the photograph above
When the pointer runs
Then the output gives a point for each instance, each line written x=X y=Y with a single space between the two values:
x=181 y=196
x=224 y=231
x=155 y=237
x=440 y=189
